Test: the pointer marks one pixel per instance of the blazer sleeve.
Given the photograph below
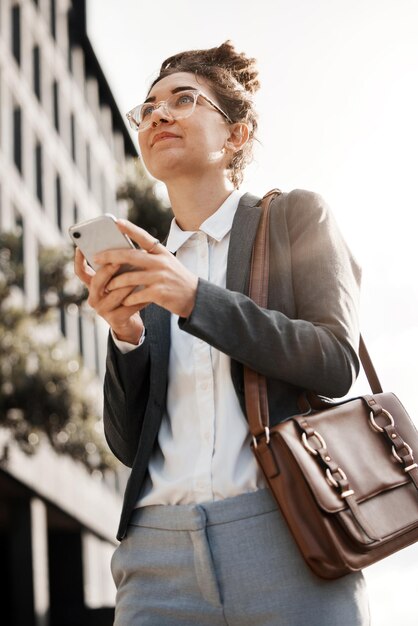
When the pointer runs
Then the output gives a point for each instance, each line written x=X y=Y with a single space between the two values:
x=126 y=392
x=316 y=348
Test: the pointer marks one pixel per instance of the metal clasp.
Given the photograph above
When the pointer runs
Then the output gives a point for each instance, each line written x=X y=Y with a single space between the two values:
x=376 y=426
x=267 y=433
x=309 y=448
x=331 y=480
x=401 y=461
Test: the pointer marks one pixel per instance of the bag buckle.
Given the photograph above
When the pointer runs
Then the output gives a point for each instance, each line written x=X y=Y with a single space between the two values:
x=310 y=449
x=267 y=435
x=376 y=426
x=401 y=461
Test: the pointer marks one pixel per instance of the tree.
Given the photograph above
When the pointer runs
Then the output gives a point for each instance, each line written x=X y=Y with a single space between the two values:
x=45 y=391
x=145 y=209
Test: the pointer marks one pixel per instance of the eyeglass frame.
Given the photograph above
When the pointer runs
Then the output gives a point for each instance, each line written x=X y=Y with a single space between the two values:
x=163 y=103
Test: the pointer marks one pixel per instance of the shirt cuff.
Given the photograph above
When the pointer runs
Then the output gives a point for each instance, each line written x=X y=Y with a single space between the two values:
x=124 y=346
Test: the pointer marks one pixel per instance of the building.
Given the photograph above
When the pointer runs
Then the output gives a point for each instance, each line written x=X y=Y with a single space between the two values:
x=63 y=143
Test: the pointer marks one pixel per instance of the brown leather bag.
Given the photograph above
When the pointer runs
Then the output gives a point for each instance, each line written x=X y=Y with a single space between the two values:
x=343 y=473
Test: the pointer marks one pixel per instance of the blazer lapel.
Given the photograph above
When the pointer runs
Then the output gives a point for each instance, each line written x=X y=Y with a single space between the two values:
x=157 y=323
x=244 y=228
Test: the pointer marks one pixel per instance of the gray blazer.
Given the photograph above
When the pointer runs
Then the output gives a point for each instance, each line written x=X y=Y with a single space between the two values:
x=307 y=338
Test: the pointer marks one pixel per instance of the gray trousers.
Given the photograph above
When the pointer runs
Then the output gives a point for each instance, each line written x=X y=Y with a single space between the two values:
x=231 y=562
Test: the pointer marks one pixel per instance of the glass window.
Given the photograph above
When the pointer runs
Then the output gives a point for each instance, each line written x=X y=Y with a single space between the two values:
x=70 y=57
x=16 y=32
x=58 y=200
x=17 y=137
x=80 y=333
x=75 y=214
x=63 y=324
x=53 y=18
x=39 y=172
x=36 y=60
x=73 y=140
x=88 y=165
x=55 y=97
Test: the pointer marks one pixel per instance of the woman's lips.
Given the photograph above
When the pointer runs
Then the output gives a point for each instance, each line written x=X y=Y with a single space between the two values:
x=162 y=136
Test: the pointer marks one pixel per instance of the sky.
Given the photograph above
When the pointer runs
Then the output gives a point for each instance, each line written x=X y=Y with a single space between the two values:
x=338 y=115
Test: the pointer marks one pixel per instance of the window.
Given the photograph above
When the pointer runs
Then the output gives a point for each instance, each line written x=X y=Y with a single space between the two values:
x=73 y=144
x=17 y=137
x=16 y=32
x=75 y=214
x=70 y=56
x=53 y=18
x=58 y=200
x=88 y=165
x=80 y=333
x=55 y=97
x=36 y=61
x=63 y=324
x=39 y=172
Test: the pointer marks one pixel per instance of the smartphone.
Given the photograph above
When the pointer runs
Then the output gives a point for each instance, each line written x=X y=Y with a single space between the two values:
x=97 y=235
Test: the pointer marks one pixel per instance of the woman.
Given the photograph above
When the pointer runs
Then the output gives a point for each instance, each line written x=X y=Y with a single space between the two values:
x=202 y=541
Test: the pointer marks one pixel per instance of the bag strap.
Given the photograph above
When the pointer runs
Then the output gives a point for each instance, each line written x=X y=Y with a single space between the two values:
x=256 y=401
x=368 y=367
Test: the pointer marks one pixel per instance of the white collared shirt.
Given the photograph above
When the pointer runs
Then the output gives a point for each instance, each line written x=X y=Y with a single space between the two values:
x=203 y=451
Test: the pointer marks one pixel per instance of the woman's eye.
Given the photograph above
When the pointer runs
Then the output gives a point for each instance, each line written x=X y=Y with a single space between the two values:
x=146 y=111
x=185 y=98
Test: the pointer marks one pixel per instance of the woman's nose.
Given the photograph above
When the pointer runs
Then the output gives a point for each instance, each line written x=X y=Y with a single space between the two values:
x=160 y=114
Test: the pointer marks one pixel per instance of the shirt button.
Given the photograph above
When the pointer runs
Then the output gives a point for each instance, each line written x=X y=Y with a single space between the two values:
x=204 y=386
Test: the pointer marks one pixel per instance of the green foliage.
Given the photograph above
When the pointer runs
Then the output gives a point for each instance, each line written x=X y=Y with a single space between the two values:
x=57 y=281
x=44 y=390
x=145 y=209
x=11 y=263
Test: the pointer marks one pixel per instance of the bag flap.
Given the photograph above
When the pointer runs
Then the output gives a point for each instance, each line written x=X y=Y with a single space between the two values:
x=362 y=453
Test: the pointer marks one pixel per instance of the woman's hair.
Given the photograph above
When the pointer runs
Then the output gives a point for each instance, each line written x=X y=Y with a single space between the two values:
x=233 y=78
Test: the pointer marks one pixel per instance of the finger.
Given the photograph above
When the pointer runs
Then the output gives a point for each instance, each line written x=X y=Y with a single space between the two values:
x=136 y=258
x=139 y=298
x=99 y=281
x=109 y=302
x=132 y=279
x=146 y=241
x=81 y=268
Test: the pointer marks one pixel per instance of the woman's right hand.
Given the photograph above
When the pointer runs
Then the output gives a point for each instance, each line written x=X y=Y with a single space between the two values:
x=125 y=321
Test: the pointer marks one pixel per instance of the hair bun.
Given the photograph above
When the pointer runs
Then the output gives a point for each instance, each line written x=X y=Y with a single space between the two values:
x=241 y=67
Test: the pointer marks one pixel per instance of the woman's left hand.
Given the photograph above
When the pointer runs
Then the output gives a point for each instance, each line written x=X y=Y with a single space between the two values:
x=162 y=278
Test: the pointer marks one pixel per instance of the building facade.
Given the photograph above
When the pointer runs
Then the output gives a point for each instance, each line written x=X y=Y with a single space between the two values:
x=63 y=145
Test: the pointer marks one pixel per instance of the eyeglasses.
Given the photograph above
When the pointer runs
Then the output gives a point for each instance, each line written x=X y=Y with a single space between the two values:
x=178 y=106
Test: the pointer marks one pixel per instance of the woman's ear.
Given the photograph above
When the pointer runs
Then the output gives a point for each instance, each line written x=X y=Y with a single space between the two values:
x=238 y=136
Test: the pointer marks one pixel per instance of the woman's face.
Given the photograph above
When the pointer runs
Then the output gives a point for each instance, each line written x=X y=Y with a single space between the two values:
x=192 y=146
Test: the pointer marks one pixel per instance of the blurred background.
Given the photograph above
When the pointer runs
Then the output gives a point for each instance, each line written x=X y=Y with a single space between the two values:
x=338 y=116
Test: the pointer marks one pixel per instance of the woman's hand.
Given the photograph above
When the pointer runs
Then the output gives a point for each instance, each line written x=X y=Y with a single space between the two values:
x=163 y=279
x=125 y=321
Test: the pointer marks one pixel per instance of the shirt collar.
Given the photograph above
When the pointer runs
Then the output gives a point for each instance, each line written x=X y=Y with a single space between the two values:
x=216 y=226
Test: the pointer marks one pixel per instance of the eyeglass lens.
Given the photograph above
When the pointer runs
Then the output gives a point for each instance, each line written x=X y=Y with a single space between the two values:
x=178 y=105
